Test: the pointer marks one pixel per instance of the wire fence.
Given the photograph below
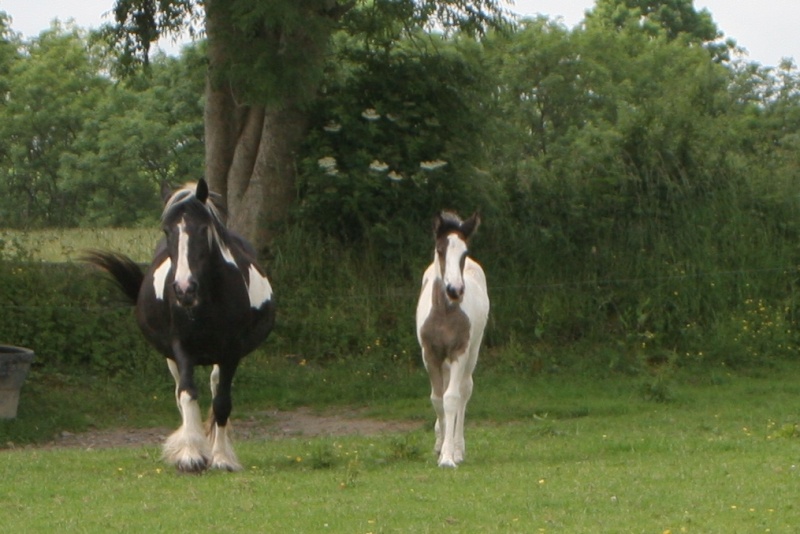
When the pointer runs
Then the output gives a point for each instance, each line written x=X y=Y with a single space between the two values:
x=494 y=289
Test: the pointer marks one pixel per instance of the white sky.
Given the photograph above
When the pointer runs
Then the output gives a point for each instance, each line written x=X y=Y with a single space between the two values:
x=768 y=29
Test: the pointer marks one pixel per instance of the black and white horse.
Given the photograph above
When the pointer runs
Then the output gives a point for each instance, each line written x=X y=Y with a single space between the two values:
x=452 y=312
x=203 y=301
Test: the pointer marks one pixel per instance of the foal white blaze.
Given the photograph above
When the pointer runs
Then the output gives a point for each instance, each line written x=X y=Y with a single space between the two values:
x=452 y=312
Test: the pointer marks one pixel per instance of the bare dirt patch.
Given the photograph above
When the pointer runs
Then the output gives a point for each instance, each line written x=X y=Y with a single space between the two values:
x=273 y=424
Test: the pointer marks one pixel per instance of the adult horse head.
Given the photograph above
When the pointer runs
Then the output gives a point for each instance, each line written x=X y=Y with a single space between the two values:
x=204 y=300
x=452 y=312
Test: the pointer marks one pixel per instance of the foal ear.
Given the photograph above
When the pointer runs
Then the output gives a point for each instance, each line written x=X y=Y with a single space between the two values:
x=437 y=223
x=201 y=192
x=469 y=226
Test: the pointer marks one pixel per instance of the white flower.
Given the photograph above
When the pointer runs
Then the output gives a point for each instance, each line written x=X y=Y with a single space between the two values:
x=370 y=114
x=327 y=163
x=395 y=176
x=391 y=117
x=332 y=127
x=378 y=166
x=432 y=165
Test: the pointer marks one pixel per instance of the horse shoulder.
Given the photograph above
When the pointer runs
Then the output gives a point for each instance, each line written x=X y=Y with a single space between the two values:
x=473 y=270
x=476 y=297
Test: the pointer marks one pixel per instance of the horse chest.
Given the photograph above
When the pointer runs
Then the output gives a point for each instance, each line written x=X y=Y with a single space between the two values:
x=445 y=332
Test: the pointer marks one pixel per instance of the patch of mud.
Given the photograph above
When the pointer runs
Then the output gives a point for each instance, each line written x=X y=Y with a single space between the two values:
x=273 y=424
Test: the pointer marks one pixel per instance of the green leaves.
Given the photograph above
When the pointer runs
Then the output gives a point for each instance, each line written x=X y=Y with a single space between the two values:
x=79 y=148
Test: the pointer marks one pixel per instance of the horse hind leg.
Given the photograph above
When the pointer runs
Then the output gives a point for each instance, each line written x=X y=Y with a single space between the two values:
x=173 y=369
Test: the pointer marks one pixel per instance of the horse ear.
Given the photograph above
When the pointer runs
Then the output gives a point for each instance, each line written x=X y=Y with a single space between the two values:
x=469 y=226
x=166 y=191
x=201 y=192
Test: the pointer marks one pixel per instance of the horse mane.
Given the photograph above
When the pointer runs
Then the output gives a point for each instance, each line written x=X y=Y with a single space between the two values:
x=213 y=205
x=185 y=198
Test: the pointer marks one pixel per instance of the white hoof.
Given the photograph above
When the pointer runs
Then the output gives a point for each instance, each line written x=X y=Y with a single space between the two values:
x=226 y=464
x=447 y=463
x=223 y=456
x=187 y=455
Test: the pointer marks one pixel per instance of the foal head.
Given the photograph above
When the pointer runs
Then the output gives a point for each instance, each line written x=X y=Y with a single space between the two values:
x=452 y=234
x=192 y=222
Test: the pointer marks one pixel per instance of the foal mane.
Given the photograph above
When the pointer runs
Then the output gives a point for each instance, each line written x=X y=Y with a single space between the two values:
x=446 y=223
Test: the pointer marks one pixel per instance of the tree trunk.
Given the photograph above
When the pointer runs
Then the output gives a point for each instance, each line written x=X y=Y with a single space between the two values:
x=250 y=150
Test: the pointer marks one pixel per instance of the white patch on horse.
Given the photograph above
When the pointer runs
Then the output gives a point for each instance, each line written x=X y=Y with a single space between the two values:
x=223 y=248
x=258 y=288
x=183 y=272
x=160 y=278
x=213 y=380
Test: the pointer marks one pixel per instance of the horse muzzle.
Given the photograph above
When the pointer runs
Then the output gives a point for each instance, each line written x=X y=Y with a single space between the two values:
x=186 y=294
x=454 y=292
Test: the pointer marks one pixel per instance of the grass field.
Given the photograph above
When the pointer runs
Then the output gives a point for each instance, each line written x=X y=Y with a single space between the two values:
x=568 y=455
x=67 y=244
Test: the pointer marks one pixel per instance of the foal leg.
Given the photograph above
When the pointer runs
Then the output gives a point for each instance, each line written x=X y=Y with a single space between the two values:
x=435 y=374
x=222 y=454
x=187 y=448
x=460 y=444
x=465 y=388
x=452 y=401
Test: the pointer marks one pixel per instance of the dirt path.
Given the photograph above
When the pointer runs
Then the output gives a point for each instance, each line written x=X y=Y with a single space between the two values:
x=273 y=424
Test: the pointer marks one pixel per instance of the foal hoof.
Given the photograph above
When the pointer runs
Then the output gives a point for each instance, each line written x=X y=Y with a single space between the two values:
x=447 y=463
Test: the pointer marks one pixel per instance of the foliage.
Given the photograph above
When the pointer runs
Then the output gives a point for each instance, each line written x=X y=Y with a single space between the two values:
x=82 y=150
x=64 y=315
x=381 y=156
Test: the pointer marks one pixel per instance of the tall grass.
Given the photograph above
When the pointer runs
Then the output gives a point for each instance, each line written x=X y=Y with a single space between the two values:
x=68 y=244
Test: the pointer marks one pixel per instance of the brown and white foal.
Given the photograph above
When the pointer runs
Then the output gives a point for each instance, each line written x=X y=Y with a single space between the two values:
x=451 y=315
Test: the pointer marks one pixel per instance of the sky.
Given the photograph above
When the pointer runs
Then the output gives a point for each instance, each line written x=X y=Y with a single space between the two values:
x=767 y=29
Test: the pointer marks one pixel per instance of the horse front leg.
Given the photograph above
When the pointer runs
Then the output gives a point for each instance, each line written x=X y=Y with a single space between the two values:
x=219 y=429
x=187 y=448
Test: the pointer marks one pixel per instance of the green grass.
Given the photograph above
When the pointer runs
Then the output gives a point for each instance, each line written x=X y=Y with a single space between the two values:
x=545 y=454
x=67 y=244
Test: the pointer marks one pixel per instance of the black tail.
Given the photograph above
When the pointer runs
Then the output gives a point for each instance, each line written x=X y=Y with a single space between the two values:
x=123 y=270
